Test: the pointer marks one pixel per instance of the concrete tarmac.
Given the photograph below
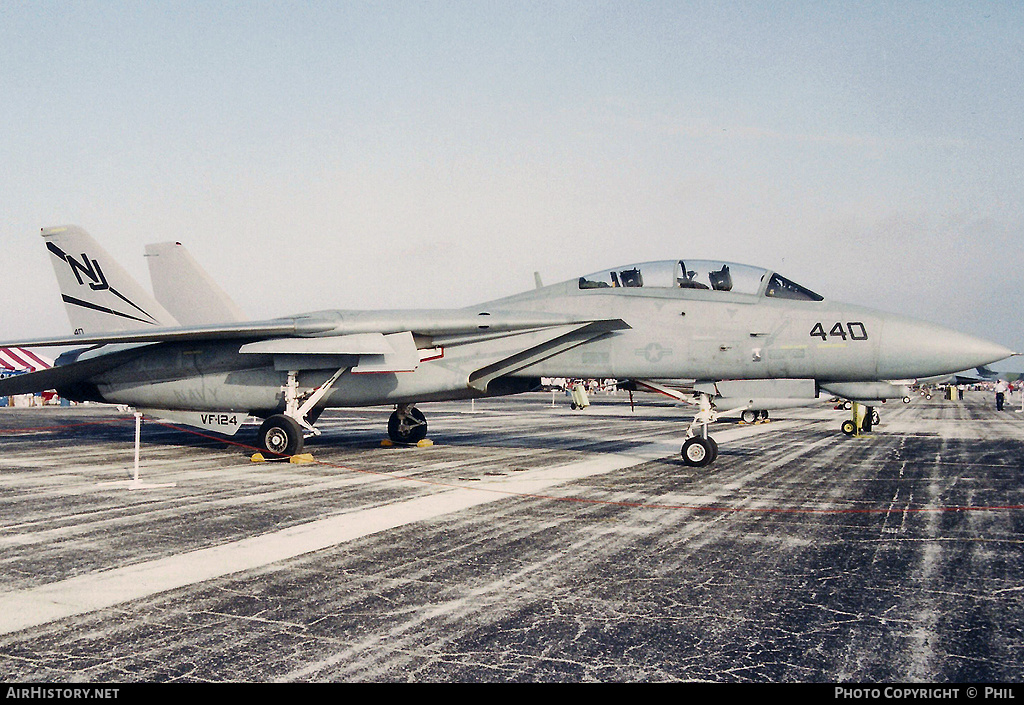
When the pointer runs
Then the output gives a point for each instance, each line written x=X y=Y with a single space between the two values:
x=529 y=543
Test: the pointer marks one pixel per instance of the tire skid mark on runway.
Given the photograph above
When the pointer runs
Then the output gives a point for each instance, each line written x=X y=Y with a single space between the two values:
x=95 y=591
x=534 y=589
x=401 y=646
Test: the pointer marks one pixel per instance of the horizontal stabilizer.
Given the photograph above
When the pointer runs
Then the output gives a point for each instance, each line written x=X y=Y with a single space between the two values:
x=30 y=383
x=61 y=375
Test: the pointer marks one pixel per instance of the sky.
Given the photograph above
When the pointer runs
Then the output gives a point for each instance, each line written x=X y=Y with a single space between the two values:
x=403 y=154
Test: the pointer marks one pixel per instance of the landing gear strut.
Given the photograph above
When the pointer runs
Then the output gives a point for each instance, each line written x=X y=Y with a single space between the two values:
x=283 y=434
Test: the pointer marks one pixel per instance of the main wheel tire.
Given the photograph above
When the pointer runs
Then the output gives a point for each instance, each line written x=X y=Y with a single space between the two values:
x=849 y=427
x=698 y=451
x=749 y=416
x=280 y=435
x=412 y=429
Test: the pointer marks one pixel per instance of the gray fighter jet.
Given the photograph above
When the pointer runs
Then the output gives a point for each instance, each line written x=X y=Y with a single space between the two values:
x=701 y=320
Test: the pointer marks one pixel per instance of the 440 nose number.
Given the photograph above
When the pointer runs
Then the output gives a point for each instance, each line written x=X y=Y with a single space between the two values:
x=854 y=330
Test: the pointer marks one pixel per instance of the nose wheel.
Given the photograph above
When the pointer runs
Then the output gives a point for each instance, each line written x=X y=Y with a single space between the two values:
x=699 y=451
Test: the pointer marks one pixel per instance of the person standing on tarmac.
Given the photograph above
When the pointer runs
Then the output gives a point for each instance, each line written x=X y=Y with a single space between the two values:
x=1001 y=389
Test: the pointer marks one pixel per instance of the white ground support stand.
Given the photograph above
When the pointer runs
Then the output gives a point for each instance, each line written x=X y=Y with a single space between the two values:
x=136 y=483
x=579 y=397
x=1021 y=409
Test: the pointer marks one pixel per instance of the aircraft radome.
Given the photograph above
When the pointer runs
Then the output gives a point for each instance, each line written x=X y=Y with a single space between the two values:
x=188 y=354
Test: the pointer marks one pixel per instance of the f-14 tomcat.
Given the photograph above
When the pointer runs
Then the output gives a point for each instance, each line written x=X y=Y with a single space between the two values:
x=188 y=353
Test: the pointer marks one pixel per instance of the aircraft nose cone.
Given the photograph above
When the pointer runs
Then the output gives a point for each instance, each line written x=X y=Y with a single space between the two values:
x=912 y=348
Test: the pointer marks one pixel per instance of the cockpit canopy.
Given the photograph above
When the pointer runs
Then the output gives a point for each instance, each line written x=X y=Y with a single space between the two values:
x=700 y=274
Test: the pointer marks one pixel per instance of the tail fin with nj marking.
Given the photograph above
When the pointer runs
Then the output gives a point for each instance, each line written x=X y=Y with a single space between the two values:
x=186 y=290
x=100 y=296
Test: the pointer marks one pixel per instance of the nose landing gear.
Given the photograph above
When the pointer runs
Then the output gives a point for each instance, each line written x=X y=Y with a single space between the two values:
x=699 y=449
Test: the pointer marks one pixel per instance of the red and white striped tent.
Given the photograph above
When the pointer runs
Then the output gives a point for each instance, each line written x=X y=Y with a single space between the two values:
x=22 y=360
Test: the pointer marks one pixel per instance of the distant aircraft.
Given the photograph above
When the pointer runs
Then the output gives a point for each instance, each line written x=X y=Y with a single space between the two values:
x=973 y=376
x=708 y=321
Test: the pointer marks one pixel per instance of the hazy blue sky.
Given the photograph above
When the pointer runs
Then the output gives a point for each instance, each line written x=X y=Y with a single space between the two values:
x=417 y=154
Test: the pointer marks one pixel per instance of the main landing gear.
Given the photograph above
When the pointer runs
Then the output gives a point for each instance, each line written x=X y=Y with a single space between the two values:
x=407 y=425
x=284 y=434
x=750 y=416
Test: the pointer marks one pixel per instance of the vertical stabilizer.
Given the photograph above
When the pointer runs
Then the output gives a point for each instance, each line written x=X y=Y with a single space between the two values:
x=186 y=290
x=99 y=295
